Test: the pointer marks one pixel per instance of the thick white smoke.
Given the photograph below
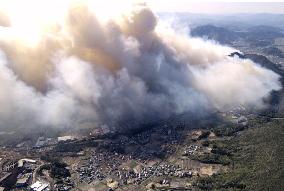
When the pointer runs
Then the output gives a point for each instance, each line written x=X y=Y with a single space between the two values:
x=86 y=70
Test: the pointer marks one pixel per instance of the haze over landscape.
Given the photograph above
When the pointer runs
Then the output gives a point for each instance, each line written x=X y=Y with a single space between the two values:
x=217 y=7
x=169 y=89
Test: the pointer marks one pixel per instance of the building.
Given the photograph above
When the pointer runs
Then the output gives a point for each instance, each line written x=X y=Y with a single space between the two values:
x=21 y=162
x=66 y=138
x=40 y=186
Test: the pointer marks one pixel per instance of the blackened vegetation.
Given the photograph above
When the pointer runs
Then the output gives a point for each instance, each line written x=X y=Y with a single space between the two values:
x=56 y=168
x=220 y=151
x=112 y=147
x=212 y=159
x=68 y=147
x=74 y=146
x=160 y=132
x=204 y=135
x=228 y=130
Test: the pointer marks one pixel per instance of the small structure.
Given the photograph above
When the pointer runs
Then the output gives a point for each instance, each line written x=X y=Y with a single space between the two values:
x=21 y=162
x=40 y=186
x=66 y=138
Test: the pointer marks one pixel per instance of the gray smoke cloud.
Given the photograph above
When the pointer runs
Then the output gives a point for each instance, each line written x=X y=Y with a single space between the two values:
x=85 y=71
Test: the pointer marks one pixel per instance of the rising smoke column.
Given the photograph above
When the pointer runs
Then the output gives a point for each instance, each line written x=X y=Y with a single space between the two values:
x=86 y=69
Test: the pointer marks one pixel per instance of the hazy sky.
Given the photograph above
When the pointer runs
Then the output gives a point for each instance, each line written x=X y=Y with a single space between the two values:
x=217 y=7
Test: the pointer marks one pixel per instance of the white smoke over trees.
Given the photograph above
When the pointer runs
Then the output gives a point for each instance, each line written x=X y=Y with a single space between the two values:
x=84 y=69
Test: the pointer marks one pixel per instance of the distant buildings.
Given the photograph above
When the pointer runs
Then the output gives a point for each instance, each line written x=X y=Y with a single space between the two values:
x=42 y=141
x=9 y=166
x=66 y=138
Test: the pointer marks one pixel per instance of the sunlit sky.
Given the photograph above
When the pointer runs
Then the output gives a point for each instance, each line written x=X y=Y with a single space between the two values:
x=217 y=7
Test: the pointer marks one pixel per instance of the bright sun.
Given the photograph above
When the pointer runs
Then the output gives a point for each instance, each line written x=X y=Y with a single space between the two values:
x=30 y=19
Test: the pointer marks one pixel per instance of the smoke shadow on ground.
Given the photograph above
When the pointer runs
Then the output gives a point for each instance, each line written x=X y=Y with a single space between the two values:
x=154 y=141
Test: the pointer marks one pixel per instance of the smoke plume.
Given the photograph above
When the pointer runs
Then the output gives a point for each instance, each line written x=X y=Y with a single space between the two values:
x=86 y=69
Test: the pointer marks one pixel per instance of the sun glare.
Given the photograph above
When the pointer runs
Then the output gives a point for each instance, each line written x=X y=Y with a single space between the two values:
x=31 y=19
